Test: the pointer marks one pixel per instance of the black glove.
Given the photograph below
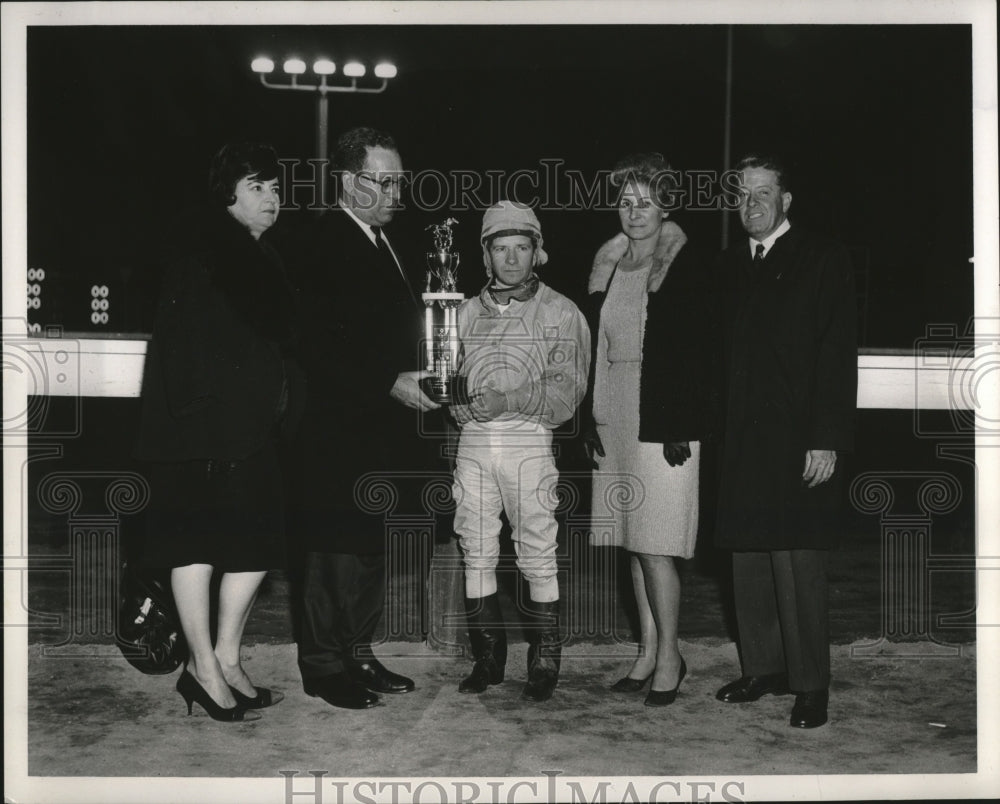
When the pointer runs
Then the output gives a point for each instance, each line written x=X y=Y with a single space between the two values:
x=592 y=445
x=676 y=452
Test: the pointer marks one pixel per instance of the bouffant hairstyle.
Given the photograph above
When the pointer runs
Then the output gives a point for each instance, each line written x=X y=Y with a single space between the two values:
x=235 y=161
x=649 y=168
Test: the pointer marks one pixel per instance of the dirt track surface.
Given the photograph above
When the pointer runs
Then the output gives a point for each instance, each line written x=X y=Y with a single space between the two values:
x=97 y=716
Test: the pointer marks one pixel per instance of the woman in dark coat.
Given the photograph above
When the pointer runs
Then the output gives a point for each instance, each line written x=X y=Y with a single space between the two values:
x=650 y=399
x=216 y=390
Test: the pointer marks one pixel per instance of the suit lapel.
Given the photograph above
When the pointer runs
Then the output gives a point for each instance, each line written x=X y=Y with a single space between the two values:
x=366 y=267
x=780 y=261
x=740 y=268
x=383 y=270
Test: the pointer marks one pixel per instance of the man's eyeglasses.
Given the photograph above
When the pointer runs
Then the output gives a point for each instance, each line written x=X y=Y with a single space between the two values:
x=388 y=184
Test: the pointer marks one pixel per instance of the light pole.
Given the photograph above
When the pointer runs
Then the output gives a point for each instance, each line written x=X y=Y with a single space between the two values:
x=323 y=68
x=727 y=128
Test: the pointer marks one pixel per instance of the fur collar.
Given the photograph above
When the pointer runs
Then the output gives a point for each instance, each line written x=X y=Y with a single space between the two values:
x=671 y=239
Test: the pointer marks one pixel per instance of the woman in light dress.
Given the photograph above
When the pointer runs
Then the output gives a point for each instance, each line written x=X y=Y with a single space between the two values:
x=651 y=318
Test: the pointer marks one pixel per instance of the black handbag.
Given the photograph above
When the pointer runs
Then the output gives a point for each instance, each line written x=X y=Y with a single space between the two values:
x=149 y=630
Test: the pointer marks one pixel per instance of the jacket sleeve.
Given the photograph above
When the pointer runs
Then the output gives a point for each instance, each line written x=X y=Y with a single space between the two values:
x=553 y=397
x=182 y=341
x=352 y=339
x=835 y=389
x=679 y=344
x=594 y=402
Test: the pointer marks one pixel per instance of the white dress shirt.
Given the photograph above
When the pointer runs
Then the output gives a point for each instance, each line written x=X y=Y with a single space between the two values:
x=370 y=234
x=769 y=240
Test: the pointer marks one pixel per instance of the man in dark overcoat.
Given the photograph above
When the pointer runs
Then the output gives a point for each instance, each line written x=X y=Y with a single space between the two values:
x=362 y=325
x=789 y=407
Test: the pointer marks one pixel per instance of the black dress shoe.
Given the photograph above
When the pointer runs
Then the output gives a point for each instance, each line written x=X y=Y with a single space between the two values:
x=666 y=697
x=263 y=699
x=750 y=688
x=629 y=684
x=373 y=675
x=339 y=690
x=193 y=692
x=810 y=709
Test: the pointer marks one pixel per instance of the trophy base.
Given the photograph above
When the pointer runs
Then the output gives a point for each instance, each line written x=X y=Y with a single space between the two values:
x=453 y=391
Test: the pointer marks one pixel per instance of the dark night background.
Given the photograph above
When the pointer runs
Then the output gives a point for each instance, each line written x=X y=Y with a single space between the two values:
x=876 y=121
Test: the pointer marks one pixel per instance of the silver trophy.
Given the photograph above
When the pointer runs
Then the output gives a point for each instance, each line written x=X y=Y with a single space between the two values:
x=444 y=386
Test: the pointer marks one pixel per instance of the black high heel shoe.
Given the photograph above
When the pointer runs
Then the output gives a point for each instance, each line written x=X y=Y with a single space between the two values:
x=629 y=684
x=191 y=691
x=263 y=699
x=666 y=697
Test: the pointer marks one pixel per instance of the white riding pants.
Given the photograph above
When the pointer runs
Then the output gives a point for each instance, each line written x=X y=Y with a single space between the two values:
x=507 y=469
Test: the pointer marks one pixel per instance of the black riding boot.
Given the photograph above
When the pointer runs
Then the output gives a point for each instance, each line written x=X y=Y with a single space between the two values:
x=544 y=651
x=489 y=643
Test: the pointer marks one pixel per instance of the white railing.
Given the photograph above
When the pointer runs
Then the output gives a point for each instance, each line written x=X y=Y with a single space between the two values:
x=112 y=367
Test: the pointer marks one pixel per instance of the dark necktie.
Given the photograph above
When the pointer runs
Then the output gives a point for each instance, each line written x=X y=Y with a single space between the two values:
x=758 y=261
x=385 y=253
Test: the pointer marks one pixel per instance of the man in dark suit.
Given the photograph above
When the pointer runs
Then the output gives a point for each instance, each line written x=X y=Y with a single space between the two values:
x=791 y=390
x=362 y=321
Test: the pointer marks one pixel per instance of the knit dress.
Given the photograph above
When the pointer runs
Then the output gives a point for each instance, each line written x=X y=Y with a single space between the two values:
x=640 y=502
